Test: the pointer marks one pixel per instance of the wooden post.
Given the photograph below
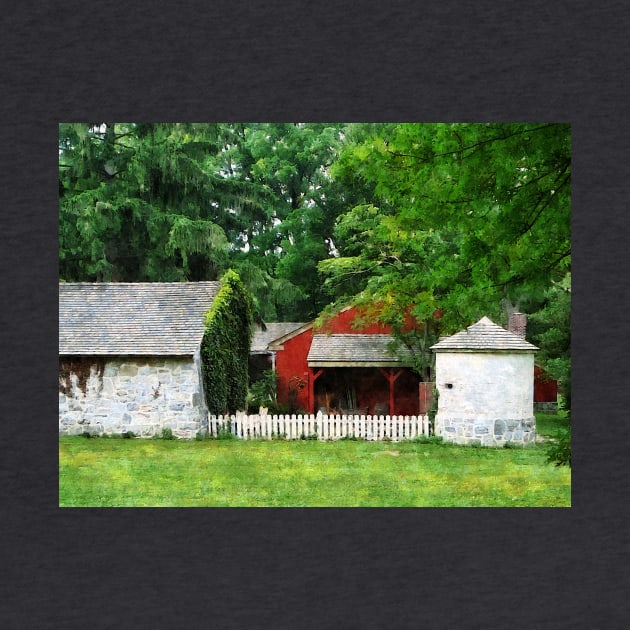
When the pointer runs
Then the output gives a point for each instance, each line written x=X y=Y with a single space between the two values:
x=391 y=377
x=311 y=389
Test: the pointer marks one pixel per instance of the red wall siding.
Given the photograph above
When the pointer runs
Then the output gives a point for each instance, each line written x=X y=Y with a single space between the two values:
x=291 y=365
x=545 y=388
x=406 y=393
x=342 y=324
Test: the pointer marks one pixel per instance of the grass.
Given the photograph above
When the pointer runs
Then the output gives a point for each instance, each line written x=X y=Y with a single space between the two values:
x=172 y=473
x=551 y=426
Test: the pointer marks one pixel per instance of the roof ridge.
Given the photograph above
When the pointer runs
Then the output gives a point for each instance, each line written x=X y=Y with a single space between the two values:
x=484 y=335
x=135 y=284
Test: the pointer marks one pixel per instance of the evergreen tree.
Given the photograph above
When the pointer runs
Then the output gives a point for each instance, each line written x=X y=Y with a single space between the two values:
x=225 y=347
x=148 y=202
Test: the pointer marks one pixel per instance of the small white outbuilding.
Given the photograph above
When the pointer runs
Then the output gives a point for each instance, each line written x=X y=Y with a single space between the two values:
x=485 y=379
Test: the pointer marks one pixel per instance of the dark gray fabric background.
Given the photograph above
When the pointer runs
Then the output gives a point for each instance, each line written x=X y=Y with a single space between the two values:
x=313 y=568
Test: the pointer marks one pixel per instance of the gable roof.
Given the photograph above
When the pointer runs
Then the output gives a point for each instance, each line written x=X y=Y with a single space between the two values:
x=274 y=330
x=133 y=318
x=484 y=336
x=355 y=350
x=276 y=344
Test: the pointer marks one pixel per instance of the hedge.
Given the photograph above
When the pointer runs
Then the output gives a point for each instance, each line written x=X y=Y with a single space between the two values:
x=225 y=347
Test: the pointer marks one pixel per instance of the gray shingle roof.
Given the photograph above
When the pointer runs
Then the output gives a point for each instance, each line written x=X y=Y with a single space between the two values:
x=353 y=349
x=278 y=343
x=143 y=318
x=274 y=330
x=484 y=336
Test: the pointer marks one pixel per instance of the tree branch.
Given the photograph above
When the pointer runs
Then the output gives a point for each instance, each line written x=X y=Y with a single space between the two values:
x=472 y=146
x=548 y=200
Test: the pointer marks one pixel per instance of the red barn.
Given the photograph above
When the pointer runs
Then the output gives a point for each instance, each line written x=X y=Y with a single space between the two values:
x=341 y=368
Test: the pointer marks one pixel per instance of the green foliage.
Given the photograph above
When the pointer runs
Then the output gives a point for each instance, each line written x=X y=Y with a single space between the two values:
x=347 y=438
x=293 y=227
x=559 y=451
x=224 y=431
x=183 y=201
x=551 y=332
x=466 y=219
x=428 y=439
x=225 y=347
x=263 y=393
x=126 y=435
x=552 y=426
x=167 y=434
x=138 y=202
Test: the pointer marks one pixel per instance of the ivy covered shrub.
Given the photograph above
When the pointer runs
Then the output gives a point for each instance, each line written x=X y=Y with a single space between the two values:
x=225 y=347
x=82 y=368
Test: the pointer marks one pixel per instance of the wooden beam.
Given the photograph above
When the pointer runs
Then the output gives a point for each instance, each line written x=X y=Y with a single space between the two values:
x=350 y=364
x=313 y=376
x=390 y=375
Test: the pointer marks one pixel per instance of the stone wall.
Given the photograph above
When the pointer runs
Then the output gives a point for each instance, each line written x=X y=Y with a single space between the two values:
x=486 y=398
x=137 y=394
x=487 y=431
x=546 y=407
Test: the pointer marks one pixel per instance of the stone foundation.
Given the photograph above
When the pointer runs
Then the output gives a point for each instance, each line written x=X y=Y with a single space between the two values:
x=486 y=432
x=141 y=395
x=546 y=407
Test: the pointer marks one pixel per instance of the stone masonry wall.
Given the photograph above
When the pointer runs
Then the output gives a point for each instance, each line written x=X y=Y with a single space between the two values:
x=546 y=407
x=137 y=394
x=487 y=432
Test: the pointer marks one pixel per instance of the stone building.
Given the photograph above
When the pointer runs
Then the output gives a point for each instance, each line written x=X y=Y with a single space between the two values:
x=129 y=357
x=485 y=379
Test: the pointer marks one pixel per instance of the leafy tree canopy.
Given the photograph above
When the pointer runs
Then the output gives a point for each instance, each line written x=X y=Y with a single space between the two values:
x=448 y=222
x=463 y=220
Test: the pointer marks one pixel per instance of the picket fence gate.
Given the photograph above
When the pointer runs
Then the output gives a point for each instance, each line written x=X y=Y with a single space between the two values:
x=324 y=427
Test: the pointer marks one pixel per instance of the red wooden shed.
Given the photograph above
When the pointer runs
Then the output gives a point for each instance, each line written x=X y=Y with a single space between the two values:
x=343 y=368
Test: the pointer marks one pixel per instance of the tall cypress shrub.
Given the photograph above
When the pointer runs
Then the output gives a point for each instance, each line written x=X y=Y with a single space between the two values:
x=225 y=347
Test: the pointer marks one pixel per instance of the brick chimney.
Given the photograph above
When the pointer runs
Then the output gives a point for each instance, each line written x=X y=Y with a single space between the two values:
x=517 y=324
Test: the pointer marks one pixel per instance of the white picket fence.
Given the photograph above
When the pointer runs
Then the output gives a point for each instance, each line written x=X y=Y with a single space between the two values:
x=334 y=427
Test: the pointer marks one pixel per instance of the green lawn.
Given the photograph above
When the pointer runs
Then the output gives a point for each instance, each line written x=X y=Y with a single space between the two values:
x=230 y=473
